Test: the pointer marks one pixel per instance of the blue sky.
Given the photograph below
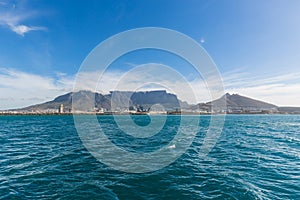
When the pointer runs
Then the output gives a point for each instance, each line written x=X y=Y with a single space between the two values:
x=255 y=44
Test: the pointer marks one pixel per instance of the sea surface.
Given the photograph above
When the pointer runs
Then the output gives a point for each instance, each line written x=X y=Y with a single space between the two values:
x=256 y=157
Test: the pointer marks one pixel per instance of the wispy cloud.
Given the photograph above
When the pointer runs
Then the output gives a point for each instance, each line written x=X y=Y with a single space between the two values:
x=14 y=18
x=19 y=88
x=22 y=29
x=147 y=77
x=280 y=89
x=23 y=88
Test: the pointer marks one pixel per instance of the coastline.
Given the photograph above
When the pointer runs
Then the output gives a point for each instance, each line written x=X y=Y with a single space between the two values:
x=110 y=114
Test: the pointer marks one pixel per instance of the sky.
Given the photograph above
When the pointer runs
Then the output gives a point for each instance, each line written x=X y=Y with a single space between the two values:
x=254 y=44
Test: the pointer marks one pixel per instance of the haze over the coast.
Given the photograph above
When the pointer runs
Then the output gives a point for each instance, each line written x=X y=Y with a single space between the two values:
x=255 y=45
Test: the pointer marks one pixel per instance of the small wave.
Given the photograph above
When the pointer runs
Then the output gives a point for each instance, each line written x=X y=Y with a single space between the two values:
x=173 y=146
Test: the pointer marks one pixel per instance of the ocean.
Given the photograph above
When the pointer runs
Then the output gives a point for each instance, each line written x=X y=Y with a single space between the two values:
x=256 y=157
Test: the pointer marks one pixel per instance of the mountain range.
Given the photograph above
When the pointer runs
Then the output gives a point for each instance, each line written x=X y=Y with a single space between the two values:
x=119 y=100
x=124 y=100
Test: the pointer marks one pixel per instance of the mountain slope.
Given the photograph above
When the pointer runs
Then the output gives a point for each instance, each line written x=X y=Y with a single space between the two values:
x=236 y=102
x=118 y=98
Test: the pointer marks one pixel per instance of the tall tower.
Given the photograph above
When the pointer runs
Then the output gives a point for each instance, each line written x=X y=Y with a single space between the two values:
x=61 y=108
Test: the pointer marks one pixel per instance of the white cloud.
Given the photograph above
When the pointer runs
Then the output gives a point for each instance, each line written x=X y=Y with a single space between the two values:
x=27 y=89
x=282 y=90
x=12 y=18
x=22 y=29
x=149 y=77
x=20 y=89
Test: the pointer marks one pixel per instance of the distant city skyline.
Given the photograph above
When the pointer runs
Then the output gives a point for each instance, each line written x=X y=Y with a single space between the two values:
x=255 y=45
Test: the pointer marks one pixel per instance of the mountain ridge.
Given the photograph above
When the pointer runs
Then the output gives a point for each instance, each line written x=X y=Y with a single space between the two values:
x=235 y=103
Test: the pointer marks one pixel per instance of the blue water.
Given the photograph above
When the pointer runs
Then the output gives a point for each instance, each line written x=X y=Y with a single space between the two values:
x=256 y=157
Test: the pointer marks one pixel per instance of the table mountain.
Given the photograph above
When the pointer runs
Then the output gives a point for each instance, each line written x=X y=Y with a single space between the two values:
x=117 y=98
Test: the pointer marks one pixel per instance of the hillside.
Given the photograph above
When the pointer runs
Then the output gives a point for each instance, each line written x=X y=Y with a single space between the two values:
x=237 y=103
x=117 y=98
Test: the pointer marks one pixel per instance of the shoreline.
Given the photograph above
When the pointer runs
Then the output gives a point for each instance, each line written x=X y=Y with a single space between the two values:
x=111 y=114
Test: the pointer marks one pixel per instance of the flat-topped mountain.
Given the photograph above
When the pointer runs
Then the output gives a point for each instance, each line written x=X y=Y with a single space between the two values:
x=120 y=99
x=146 y=99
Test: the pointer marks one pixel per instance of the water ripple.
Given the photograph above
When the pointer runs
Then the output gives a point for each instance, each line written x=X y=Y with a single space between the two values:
x=257 y=157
